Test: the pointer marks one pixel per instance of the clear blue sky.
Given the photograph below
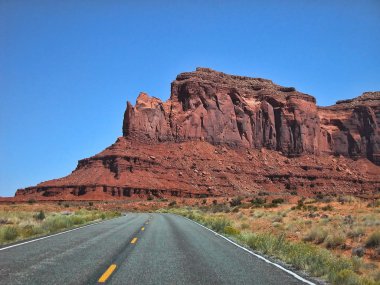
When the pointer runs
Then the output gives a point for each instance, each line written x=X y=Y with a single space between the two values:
x=67 y=67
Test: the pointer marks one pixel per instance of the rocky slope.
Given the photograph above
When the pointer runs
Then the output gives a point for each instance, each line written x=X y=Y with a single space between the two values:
x=222 y=135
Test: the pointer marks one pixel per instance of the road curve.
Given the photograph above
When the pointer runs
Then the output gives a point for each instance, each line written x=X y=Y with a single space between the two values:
x=137 y=249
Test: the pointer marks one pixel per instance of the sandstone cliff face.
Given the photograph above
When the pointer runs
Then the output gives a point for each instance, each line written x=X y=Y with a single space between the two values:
x=254 y=112
x=352 y=127
x=225 y=109
x=222 y=135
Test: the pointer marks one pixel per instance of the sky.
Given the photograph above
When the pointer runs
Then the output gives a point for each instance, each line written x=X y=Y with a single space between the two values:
x=67 y=67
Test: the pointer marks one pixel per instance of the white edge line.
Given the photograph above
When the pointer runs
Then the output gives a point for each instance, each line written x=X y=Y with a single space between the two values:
x=49 y=236
x=295 y=275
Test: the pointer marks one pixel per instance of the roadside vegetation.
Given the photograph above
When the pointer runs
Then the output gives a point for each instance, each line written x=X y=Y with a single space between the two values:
x=336 y=240
x=24 y=221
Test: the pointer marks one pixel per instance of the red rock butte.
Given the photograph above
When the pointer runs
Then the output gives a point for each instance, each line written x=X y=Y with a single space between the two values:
x=227 y=135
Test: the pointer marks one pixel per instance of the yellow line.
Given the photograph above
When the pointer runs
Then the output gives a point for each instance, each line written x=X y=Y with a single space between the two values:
x=107 y=274
x=142 y=228
x=134 y=240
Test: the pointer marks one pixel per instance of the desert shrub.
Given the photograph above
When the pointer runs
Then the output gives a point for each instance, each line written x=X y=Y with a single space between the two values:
x=229 y=230
x=172 y=203
x=355 y=232
x=78 y=220
x=316 y=235
x=287 y=89
x=271 y=205
x=39 y=216
x=66 y=205
x=300 y=203
x=335 y=240
x=8 y=233
x=56 y=223
x=236 y=201
x=346 y=199
x=218 y=224
x=278 y=201
x=244 y=226
x=345 y=277
x=91 y=203
x=327 y=208
x=31 y=201
x=258 y=202
x=373 y=240
x=220 y=208
x=29 y=231
x=277 y=219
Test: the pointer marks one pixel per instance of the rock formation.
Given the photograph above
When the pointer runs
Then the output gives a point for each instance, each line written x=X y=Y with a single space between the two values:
x=222 y=134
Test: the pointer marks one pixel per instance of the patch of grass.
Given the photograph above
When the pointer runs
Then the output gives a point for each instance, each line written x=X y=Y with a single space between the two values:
x=31 y=224
x=373 y=240
x=229 y=230
x=278 y=201
x=327 y=208
x=236 y=201
x=8 y=233
x=355 y=232
x=334 y=240
x=316 y=235
x=40 y=216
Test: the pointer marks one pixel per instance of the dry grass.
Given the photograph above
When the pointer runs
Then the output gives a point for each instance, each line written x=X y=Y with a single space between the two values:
x=22 y=221
x=341 y=235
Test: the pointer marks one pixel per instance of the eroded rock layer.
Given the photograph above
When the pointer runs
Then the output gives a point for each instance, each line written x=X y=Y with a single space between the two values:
x=221 y=135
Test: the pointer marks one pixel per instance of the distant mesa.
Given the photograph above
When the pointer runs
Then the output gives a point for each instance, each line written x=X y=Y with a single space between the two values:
x=225 y=135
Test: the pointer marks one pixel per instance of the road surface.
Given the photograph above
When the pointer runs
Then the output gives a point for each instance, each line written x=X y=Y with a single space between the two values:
x=137 y=249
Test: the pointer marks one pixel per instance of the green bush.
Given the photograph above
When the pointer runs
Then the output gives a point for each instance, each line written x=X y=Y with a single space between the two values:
x=345 y=277
x=29 y=231
x=278 y=201
x=229 y=230
x=258 y=202
x=327 y=208
x=40 y=216
x=335 y=240
x=236 y=201
x=56 y=223
x=218 y=224
x=316 y=235
x=355 y=232
x=8 y=233
x=373 y=240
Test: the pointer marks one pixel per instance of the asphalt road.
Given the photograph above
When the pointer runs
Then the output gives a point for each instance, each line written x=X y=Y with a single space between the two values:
x=137 y=249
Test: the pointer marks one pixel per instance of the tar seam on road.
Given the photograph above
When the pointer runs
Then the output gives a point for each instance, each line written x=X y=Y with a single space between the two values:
x=295 y=275
x=49 y=236
x=107 y=274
